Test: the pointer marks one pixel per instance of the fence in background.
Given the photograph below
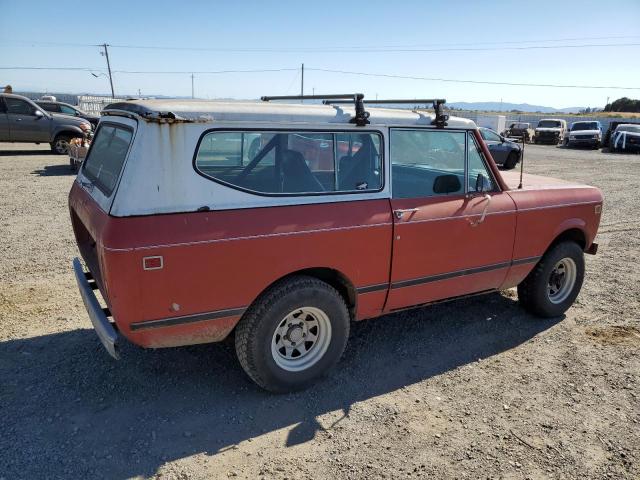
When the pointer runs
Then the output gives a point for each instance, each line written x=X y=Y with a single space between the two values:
x=60 y=97
x=94 y=104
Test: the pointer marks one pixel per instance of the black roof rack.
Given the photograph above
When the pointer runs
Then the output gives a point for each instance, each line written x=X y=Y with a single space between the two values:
x=440 y=120
x=362 y=117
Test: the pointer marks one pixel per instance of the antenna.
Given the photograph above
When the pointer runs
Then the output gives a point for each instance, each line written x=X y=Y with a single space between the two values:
x=521 y=163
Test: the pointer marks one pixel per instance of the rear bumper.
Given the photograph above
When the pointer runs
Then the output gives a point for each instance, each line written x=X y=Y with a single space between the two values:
x=105 y=331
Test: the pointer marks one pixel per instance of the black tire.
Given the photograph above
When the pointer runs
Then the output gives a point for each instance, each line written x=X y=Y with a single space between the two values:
x=57 y=146
x=511 y=161
x=257 y=330
x=533 y=292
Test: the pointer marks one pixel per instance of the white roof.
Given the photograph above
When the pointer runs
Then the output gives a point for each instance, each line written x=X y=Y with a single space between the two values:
x=211 y=111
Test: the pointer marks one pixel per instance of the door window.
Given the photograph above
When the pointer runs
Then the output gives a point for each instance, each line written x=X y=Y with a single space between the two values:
x=427 y=162
x=292 y=163
x=478 y=166
x=490 y=136
x=67 y=110
x=19 y=107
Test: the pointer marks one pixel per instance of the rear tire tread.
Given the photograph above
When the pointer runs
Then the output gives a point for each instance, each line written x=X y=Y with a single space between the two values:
x=260 y=308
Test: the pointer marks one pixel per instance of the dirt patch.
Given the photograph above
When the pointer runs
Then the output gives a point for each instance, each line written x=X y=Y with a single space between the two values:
x=615 y=334
x=470 y=389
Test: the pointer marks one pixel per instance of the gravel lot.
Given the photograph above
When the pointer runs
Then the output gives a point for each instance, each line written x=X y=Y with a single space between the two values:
x=470 y=389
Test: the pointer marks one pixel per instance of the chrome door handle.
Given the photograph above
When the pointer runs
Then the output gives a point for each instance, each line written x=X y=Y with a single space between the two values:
x=400 y=212
x=475 y=223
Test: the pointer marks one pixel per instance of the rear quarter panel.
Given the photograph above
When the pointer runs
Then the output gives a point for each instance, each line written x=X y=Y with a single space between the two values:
x=216 y=261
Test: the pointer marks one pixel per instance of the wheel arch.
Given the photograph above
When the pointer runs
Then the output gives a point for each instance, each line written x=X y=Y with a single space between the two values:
x=573 y=233
x=331 y=276
x=70 y=131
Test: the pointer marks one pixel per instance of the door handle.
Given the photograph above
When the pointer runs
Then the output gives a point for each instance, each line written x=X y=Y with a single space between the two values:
x=400 y=212
x=475 y=223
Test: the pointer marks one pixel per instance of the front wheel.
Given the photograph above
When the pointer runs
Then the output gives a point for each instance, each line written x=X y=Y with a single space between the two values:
x=553 y=285
x=60 y=145
x=293 y=334
x=511 y=161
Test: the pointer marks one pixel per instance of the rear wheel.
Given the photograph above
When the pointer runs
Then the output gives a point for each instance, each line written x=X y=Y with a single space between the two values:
x=293 y=335
x=60 y=146
x=511 y=161
x=553 y=285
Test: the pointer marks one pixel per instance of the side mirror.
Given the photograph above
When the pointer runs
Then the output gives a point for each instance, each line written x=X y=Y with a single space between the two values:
x=38 y=114
x=481 y=183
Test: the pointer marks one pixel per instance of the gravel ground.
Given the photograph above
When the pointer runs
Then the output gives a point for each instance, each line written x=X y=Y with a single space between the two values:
x=470 y=389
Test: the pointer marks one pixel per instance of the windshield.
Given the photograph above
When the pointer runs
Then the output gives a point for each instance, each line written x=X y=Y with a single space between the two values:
x=628 y=128
x=584 y=126
x=521 y=126
x=549 y=124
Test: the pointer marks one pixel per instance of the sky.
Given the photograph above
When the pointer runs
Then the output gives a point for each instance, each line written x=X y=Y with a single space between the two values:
x=475 y=41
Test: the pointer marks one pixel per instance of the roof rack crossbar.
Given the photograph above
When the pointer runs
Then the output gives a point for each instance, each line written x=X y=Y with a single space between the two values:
x=402 y=101
x=441 y=118
x=362 y=117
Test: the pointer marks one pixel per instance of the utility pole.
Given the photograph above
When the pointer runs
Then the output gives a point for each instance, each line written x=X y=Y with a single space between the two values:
x=106 y=55
x=192 y=95
x=302 y=83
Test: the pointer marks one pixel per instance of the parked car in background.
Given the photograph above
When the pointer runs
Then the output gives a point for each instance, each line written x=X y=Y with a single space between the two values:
x=519 y=130
x=625 y=138
x=504 y=152
x=606 y=141
x=66 y=109
x=190 y=234
x=21 y=120
x=551 y=131
x=585 y=134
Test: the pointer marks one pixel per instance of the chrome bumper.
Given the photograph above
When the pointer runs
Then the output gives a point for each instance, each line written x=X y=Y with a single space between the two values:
x=105 y=331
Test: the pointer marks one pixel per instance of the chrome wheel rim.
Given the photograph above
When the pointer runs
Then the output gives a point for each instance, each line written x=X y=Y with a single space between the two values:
x=301 y=339
x=561 y=280
x=61 y=146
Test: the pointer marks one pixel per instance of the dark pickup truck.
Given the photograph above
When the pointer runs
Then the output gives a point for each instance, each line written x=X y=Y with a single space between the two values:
x=21 y=120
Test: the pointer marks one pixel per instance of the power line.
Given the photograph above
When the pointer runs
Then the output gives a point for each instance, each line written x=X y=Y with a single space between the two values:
x=168 y=72
x=433 y=47
x=55 y=68
x=482 y=82
x=209 y=72
x=328 y=70
x=401 y=49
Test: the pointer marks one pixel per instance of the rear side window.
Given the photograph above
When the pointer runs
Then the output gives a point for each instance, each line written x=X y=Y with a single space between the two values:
x=106 y=157
x=292 y=163
x=49 y=107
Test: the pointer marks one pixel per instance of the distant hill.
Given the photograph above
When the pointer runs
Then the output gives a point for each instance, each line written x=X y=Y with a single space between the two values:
x=506 y=107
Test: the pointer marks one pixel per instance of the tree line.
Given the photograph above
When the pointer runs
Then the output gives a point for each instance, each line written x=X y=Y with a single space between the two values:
x=623 y=104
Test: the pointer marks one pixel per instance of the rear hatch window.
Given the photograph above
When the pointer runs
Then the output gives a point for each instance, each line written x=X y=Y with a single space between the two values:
x=106 y=157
